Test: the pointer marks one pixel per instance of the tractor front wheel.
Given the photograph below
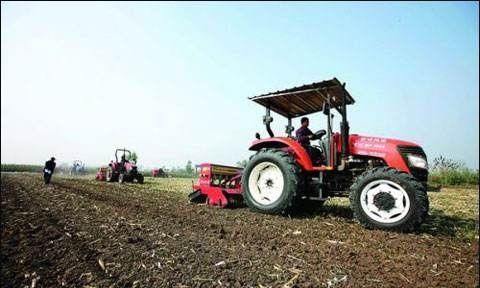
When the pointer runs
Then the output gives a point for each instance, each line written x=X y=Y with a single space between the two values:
x=271 y=181
x=121 y=178
x=385 y=198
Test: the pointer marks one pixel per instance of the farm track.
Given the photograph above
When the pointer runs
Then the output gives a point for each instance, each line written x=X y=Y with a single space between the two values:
x=81 y=233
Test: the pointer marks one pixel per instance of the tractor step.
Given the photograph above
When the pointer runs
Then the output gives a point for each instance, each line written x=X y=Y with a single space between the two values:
x=316 y=181
x=316 y=184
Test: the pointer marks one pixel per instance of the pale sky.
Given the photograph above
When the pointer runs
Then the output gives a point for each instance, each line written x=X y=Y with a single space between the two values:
x=171 y=80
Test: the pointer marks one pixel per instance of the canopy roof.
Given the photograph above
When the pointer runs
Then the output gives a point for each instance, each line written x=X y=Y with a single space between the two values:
x=306 y=99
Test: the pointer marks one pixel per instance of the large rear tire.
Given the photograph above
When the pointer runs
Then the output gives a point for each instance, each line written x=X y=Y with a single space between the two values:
x=140 y=178
x=388 y=199
x=271 y=182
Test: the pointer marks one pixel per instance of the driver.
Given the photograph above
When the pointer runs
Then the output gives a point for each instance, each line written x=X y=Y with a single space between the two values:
x=124 y=160
x=304 y=135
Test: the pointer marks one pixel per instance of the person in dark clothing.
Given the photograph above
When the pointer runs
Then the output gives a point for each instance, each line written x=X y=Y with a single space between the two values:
x=48 y=170
x=123 y=161
x=304 y=135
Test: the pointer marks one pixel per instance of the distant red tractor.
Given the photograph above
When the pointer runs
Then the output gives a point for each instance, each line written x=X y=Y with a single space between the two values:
x=384 y=178
x=121 y=171
x=159 y=172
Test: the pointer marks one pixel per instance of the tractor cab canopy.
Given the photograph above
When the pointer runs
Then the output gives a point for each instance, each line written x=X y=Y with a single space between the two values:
x=306 y=99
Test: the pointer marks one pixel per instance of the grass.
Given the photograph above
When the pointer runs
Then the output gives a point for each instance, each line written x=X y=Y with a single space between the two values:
x=454 y=211
x=21 y=168
x=171 y=185
x=452 y=177
x=39 y=168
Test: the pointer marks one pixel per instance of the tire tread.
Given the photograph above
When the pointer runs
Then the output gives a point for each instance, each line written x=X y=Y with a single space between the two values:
x=293 y=177
x=421 y=203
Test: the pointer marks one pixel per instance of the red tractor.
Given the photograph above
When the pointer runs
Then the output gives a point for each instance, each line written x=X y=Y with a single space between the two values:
x=384 y=178
x=159 y=172
x=123 y=171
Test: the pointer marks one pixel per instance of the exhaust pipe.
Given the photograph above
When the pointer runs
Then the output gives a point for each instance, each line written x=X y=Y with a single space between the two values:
x=344 y=128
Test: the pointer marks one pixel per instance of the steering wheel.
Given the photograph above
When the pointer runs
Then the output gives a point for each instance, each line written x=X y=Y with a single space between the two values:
x=319 y=134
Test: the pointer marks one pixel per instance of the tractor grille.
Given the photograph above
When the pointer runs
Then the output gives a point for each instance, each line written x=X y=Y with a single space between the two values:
x=420 y=174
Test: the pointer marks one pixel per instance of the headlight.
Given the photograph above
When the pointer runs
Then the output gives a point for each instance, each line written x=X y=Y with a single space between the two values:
x=417 y=161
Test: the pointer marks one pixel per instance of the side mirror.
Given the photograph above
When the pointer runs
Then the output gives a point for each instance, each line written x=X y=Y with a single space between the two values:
x=289 y=129
x=267 y=119
x=257 y=135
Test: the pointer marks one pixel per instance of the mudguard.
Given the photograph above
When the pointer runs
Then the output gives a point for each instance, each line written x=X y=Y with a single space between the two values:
x=301 y=155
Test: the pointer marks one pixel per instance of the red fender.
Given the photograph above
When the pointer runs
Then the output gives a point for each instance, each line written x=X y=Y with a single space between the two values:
x=302 y=157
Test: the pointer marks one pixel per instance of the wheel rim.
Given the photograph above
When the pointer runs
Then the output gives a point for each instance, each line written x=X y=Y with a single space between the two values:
x=385 y=201
x=266 y=183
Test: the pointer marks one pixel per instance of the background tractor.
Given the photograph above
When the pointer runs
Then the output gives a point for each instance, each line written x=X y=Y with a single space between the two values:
x=121 y=171
x=159 y=172
x=384 y=178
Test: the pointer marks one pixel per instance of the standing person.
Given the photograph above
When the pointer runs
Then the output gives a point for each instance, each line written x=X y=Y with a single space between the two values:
x=48 y=170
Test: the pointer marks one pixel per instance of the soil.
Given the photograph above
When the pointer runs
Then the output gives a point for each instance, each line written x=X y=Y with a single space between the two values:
x=82 y=233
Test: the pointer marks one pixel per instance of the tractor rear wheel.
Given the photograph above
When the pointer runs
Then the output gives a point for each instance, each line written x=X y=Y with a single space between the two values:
x=140 y=178
x=385 y=198
x=271 y=182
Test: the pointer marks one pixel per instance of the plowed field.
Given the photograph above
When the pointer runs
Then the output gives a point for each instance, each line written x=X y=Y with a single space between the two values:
x=82 y=233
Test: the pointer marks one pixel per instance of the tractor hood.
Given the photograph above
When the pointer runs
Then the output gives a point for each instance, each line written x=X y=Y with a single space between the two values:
x=369 y=144
x=393 y=151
